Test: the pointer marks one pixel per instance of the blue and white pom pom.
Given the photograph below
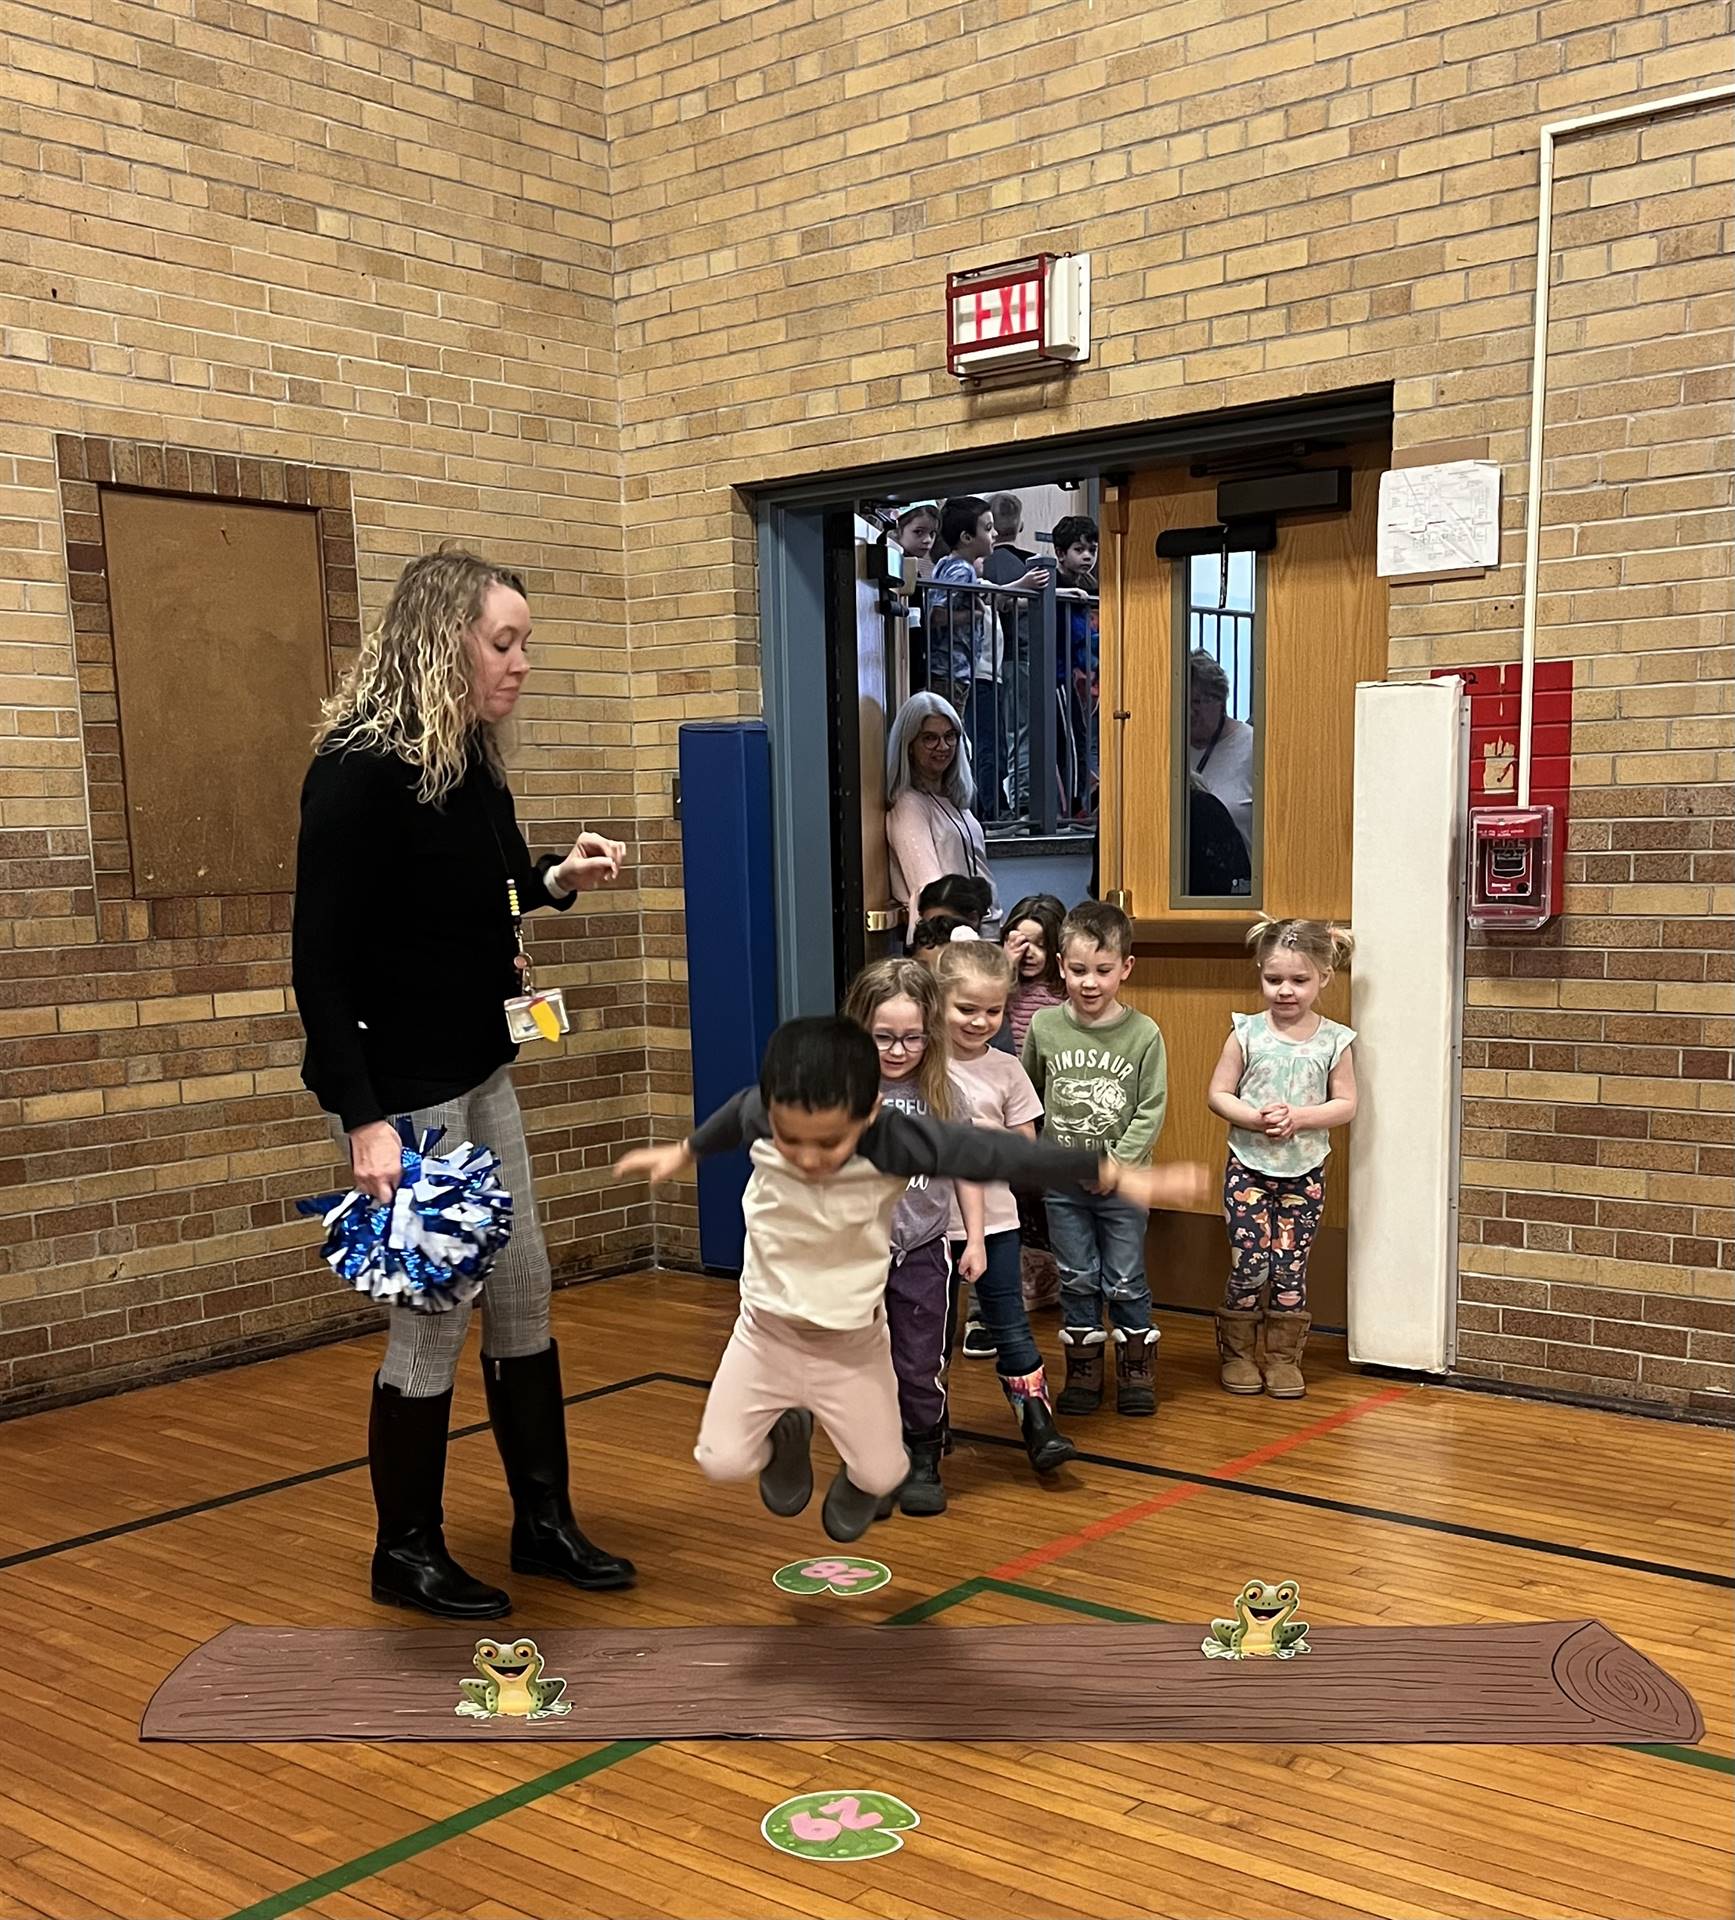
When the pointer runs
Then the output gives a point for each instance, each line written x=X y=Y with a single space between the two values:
x=431 y=1247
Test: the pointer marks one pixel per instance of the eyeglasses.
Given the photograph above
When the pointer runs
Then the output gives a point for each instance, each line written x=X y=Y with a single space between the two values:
x=909 y=1042
x=938 y=740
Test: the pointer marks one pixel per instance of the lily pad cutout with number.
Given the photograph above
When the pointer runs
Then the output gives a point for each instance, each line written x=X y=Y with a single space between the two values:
x=839 y=1826
x=833 y=1573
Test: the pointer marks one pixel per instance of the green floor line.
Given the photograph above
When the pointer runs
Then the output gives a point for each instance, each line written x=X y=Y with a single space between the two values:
x=467 y=1819
x=407 y=1846
x=1688 y=1756
x=1097 y=1609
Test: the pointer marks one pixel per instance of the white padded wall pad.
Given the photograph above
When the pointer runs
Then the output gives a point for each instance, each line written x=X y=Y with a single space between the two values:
x=1409 y=786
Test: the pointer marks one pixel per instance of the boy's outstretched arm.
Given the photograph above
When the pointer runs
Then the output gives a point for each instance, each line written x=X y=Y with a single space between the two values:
x=908 y=1143
x=738 y=1122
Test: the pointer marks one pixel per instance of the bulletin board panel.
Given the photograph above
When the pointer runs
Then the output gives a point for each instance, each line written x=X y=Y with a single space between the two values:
x=219 y=631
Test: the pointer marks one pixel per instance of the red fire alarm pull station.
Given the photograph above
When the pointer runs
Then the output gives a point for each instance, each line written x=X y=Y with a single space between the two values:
x=1511 y=860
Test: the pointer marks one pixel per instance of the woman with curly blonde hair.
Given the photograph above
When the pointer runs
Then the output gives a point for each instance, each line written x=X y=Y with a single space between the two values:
x=411 y=878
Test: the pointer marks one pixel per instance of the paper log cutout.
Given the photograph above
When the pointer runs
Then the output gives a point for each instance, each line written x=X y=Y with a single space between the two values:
x=1547 y=1683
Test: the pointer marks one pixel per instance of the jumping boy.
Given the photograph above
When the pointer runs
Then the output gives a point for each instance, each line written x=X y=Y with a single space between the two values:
x=829 y=1167
x=1102 y=1074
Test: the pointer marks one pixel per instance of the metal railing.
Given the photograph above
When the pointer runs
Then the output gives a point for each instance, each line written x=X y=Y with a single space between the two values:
x=1021 y=666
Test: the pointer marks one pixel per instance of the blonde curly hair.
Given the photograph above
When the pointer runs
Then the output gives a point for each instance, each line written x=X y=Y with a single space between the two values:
x=408 y=693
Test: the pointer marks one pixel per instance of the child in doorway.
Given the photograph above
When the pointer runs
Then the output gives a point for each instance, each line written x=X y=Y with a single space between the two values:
x=1102 y=1073
x=829 y=1168
x=898 y=1003
x=964 y=898
x=1285 y=1078
x=1032 y=943
x=995 y=1091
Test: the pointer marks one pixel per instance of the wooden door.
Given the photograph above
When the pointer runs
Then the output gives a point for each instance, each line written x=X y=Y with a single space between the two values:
x=1324 y=629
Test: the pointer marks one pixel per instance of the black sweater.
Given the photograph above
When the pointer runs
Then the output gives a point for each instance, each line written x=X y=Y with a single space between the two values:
x=403 y=938
x=906 y=1144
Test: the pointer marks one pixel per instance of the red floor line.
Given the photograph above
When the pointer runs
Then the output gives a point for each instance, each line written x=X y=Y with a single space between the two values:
x=1112 y=1523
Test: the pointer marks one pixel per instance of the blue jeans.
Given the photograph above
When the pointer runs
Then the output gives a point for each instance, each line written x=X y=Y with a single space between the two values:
x=1099 y=1246
x=1000 y=1301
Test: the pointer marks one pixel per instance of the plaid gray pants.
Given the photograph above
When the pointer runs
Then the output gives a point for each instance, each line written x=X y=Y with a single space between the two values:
x=422 y=1349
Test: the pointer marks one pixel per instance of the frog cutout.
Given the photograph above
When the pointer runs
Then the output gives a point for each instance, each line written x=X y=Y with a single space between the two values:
x=512 y=1686
x=839 y=1826
x=1264 y=1625
x=840 y=1574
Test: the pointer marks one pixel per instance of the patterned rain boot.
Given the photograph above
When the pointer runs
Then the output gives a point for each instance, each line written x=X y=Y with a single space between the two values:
x=1027 y=1394
x=1135 y=1386
x=1285 y=1336
x=1085 y=1349
x=1237 y=1344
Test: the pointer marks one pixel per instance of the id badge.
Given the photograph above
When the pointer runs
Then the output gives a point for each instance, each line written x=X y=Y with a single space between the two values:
x=538 y=1016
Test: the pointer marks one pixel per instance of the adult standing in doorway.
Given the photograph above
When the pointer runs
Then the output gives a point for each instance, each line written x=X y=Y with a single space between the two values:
x=410 y=879
x=930 y=792
x=1219 y=747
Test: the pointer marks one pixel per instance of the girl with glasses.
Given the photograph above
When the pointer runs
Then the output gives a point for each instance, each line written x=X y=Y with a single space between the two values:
x=898 y=1003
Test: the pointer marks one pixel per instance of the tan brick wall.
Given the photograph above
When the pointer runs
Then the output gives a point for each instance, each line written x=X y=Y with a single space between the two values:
x=387 y=237
x=1598 y=1112
x=372 y=238
x=1277 y=203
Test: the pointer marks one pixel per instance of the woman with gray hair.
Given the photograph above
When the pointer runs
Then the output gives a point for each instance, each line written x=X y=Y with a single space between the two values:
x=1219 y=747
x=930 y=792
x=411 y=879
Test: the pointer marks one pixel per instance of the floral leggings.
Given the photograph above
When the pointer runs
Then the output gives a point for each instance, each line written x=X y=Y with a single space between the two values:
x=1272 y=1219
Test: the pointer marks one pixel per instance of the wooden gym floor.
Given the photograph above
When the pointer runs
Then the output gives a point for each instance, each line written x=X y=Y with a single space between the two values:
x=133 y=1529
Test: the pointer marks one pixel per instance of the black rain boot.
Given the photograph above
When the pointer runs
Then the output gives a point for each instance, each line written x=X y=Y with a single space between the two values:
x=406 y=1456
x=528 y=1416
x=848 y=1512
x=923 y=1493
x=1046 y=1445
x=786 y=1479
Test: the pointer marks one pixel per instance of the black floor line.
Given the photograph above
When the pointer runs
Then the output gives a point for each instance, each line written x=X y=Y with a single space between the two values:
x=289 y=1480
x=1390 y=1515
x=1254 y=1489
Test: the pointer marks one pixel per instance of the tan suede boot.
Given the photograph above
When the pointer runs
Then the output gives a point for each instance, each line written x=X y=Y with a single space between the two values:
x=1285 y=1336
x=1237 y=1343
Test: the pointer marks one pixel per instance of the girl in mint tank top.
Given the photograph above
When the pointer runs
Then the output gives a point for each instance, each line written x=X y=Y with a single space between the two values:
x=1285 y=1079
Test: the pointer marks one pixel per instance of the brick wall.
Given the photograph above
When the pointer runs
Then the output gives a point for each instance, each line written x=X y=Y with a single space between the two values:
x=1598 y=1125
x=374 y=239
x=387 y=238
x=1278 y=202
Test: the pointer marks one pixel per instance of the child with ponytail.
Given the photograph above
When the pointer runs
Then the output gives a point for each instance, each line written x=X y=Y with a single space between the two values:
x=1285 y=1078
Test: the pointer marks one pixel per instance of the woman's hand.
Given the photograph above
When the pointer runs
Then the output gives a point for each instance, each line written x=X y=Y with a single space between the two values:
x=376 y=1159
x=974 y=1262
x=655 y=1164
x=593 y=862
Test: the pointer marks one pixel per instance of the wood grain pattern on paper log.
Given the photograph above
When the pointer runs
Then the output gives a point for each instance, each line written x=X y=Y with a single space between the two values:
x=220 y=666
x=1556 y=1682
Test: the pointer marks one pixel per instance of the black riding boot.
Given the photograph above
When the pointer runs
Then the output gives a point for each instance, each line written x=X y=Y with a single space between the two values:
x=529 y=1420
x=406 y=1456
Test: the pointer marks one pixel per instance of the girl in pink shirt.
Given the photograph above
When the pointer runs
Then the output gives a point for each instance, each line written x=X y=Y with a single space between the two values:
x=994 y=1091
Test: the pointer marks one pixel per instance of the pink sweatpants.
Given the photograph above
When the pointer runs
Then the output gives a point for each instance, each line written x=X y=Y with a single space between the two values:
x=844 y=1379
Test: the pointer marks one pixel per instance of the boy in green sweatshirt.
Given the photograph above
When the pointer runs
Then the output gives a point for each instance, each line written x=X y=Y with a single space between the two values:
x=1102 y=1073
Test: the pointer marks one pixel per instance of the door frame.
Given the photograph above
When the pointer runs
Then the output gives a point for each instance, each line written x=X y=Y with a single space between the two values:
x=798 y=647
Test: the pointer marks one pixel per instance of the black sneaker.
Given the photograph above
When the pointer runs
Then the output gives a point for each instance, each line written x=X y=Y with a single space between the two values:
x=848 y=1512
x=786 y=1482
x=978 y=1342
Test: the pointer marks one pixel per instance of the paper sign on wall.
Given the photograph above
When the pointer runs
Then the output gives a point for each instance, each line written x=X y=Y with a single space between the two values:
x=1442 y=519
